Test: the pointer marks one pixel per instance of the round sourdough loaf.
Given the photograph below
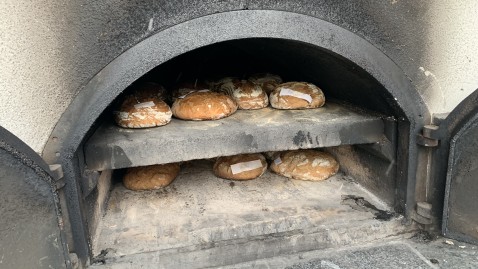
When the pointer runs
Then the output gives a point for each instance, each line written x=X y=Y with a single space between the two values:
x=144 y=108
x=309 y=164
x=204 y=105
x=267 y=81
x=240 y=167
x=246 y=94
x=296 y=95
x=150 y=177
x=185 y=88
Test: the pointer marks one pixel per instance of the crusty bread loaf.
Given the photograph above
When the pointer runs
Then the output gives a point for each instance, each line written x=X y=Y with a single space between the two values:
x=267 y=81
x=144 y=108
x=204 y=105
x=296 y=95
x=185 y=88
x=240 y=167
x=150 y=177
x=308 y=164
x=246 y=94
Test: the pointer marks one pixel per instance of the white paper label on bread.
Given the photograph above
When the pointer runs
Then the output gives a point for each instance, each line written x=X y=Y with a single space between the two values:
x=245 y=166
x=144 y=105
x=278 y=161
x=289 y=92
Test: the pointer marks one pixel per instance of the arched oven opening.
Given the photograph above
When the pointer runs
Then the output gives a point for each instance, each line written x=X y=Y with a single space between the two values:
x=361 y=125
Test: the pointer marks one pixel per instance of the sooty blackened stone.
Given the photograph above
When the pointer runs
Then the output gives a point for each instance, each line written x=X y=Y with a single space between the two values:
x=359 y=203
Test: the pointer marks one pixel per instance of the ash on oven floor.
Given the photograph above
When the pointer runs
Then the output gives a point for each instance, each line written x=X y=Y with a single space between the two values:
x=202 y=221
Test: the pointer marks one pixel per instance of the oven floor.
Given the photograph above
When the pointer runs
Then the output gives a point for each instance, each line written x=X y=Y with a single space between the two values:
x=201 y=220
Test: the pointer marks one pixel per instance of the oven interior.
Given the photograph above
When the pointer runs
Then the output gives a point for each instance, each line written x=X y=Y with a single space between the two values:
x=200 y=217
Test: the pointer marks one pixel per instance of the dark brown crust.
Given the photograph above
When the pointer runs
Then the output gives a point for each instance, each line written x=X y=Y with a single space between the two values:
x=204 y=106
x=222 y=166
x=150 y=177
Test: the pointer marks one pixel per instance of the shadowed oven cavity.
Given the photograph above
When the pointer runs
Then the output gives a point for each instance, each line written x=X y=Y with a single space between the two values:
x=361 y=125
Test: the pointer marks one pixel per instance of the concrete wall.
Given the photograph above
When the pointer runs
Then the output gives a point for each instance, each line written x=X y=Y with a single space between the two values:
x=36 y=81
x=448 y=71
x=49 y=49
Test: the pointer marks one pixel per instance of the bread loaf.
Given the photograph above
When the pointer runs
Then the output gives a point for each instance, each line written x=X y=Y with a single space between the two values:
x=204 y=105
x=246 y=94
x=268 y=82
x=150 y=177
x=308 y=164
x=240 y=167
x=296 y=95
x=144 y=108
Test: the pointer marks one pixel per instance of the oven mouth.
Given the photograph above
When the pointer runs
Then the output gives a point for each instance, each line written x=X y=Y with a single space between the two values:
x=199 y=211
x=396 y=96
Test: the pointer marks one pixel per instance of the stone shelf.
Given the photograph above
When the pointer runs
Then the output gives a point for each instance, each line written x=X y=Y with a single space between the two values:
x=246 y=131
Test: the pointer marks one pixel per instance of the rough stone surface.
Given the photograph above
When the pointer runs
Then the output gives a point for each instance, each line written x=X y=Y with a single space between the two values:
x=395 y=253
x=447 y=253
x=201 y=220
x=246 y=131
x=385 y=256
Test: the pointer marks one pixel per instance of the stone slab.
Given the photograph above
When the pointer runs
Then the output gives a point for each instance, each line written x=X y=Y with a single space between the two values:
x=246 y=131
